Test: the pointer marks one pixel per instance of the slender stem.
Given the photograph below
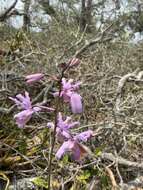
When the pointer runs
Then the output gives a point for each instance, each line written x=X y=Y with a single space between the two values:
x=52 y=145
x=54 y=132
x=55 y=126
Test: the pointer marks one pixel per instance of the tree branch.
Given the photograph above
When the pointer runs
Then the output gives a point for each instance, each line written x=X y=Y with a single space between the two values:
x=122 y=161
x=6 y=14
x=90 y=43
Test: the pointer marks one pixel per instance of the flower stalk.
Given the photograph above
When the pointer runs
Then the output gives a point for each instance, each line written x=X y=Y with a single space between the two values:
x=57 y=108
x=62 y=127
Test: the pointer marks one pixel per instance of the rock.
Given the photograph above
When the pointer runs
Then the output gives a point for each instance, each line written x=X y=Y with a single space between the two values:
x=23 y=184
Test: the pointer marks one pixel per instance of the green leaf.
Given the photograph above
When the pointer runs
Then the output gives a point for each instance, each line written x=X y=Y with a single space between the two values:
x=40 y=182
x=98 y=151
x=83 y=177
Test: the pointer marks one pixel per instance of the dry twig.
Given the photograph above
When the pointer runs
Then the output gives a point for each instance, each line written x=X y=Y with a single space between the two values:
x=99 y=39
x=4 y=15
x=121 y=85
x=122 y=161
x=112 y=178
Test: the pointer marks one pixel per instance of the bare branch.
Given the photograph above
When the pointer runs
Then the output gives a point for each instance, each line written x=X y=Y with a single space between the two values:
x=112 y=178
x=6 y=14
x=6 y=110
x=122 y=83
x=99 y=39
x=122 y=161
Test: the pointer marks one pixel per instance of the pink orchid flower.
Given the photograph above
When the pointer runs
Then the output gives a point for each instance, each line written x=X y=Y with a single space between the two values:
x=63 y=126
x=25 y=104
x=77 y=150
x=66 y=123
x=71 y=143
x=21 y=101
x=69 y=94
x=34 y=78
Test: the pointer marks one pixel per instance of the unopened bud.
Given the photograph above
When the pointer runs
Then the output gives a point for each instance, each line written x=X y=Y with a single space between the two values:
x=74 y=62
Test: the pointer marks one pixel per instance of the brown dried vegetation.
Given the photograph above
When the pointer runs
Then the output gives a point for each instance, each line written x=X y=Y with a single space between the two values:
x=116 y=157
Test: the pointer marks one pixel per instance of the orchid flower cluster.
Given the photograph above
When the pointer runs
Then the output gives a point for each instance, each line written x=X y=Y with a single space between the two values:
x=71 y=142
x=24 y=103
x=69 y=94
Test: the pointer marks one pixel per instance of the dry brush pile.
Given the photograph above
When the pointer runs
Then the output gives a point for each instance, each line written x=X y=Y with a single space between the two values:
x=112 y=90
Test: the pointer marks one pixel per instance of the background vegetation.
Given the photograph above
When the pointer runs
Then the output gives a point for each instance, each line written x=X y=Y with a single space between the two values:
x=37 y=36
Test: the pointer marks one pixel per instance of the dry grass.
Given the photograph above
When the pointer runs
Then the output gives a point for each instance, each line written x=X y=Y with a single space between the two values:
x=101 y=68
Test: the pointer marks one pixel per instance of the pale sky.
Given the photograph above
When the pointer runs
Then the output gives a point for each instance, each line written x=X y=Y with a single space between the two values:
x=6 y=3
x=17 y=21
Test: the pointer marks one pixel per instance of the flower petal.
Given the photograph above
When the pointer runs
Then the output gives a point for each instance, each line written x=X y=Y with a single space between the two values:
x=78 y=152
x=84 y=136
x=50 y=125
x=17 y=102
x=23 y=101
x=55 y=94
x=66 y=146
x=45 y=108
x=76 y=103
x=67 y=123
x=76 y=85
x=67 y=84
x=36 y=109
x=73 y=124
x=34 y=77
x=74 y=62
x=23 y=117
